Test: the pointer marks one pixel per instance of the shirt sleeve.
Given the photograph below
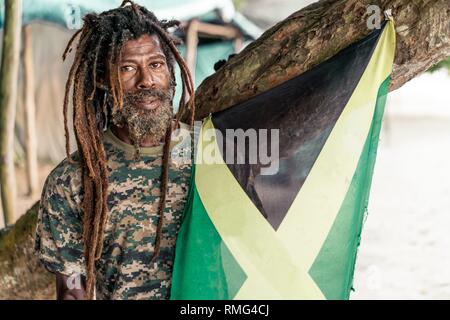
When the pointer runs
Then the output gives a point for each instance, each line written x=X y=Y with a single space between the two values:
x=59 y=241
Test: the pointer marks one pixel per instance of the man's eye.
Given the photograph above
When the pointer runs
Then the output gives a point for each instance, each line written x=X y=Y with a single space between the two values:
x=127 y=68
x=155 y=65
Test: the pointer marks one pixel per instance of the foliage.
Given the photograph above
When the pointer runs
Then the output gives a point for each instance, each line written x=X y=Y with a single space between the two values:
x=443 y=64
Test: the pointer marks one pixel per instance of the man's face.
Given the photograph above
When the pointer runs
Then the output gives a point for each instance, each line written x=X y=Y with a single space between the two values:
x=147 y=88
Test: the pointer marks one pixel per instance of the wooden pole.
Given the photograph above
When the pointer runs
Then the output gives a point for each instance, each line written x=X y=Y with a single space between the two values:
x=30 y=112
x=191 y=46
x=195 y=28
x=226 y=32
x=8 y=98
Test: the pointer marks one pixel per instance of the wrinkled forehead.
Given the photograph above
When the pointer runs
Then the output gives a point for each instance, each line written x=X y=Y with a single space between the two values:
x=145 y=45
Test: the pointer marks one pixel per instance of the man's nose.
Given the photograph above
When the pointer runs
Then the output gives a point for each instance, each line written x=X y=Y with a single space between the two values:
x=145 y=79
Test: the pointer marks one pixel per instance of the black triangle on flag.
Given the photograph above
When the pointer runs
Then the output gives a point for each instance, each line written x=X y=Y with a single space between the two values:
x=304 y=110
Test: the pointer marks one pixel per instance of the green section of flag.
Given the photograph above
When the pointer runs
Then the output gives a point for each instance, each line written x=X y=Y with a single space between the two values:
x=203 y=258
x=338 y=254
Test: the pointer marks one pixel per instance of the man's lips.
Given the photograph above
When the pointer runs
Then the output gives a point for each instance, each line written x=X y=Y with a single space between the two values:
x=149 y=103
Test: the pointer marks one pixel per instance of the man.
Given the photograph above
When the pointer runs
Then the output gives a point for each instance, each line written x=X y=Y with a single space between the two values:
x=110 y=212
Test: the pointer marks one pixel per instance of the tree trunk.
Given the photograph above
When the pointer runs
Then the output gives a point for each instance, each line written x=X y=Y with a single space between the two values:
x=292 y=47
x=30 y=112
x=21 y=275
x=8 y=99
x=319 y=31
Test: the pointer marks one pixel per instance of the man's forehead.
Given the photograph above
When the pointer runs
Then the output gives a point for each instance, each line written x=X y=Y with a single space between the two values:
x=145 y=44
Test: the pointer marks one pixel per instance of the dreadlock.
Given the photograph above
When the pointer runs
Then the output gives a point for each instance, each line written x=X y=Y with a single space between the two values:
x=99 y=48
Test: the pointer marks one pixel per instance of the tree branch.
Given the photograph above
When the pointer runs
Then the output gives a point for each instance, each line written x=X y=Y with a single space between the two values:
x=319 y=31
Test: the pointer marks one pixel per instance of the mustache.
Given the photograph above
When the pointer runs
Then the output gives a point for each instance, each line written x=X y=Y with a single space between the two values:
x=162 y=94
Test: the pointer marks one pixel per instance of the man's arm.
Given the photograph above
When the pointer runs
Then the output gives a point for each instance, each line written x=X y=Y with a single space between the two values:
x=70 y=288
x=59 y=235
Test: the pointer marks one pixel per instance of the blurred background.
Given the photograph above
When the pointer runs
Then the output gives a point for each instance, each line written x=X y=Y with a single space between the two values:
x=404 y=250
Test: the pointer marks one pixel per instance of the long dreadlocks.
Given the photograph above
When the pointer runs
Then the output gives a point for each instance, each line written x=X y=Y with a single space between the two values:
x=93 y=76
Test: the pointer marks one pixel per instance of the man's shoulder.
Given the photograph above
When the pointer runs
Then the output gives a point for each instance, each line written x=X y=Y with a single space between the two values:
x=66 y=175
x=58 y=240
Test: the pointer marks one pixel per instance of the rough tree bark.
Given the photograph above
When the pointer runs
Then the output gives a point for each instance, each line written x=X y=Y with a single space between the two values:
x=21 y=275
x=319 y=31
x=291 y=47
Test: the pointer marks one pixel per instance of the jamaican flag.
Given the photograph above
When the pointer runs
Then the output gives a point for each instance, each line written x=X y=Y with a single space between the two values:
x=288 y=229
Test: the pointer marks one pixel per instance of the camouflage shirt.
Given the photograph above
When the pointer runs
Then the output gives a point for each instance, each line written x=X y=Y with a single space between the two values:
x=124 y=271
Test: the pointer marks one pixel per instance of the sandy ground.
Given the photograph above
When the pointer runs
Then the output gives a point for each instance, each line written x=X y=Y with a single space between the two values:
x=404 y=253
x=404 y=249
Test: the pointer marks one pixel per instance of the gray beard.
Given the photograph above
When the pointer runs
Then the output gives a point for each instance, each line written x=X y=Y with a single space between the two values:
x=142 y=123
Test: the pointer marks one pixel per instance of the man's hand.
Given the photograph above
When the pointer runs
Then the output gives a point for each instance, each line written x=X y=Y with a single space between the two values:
x=70 y=288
